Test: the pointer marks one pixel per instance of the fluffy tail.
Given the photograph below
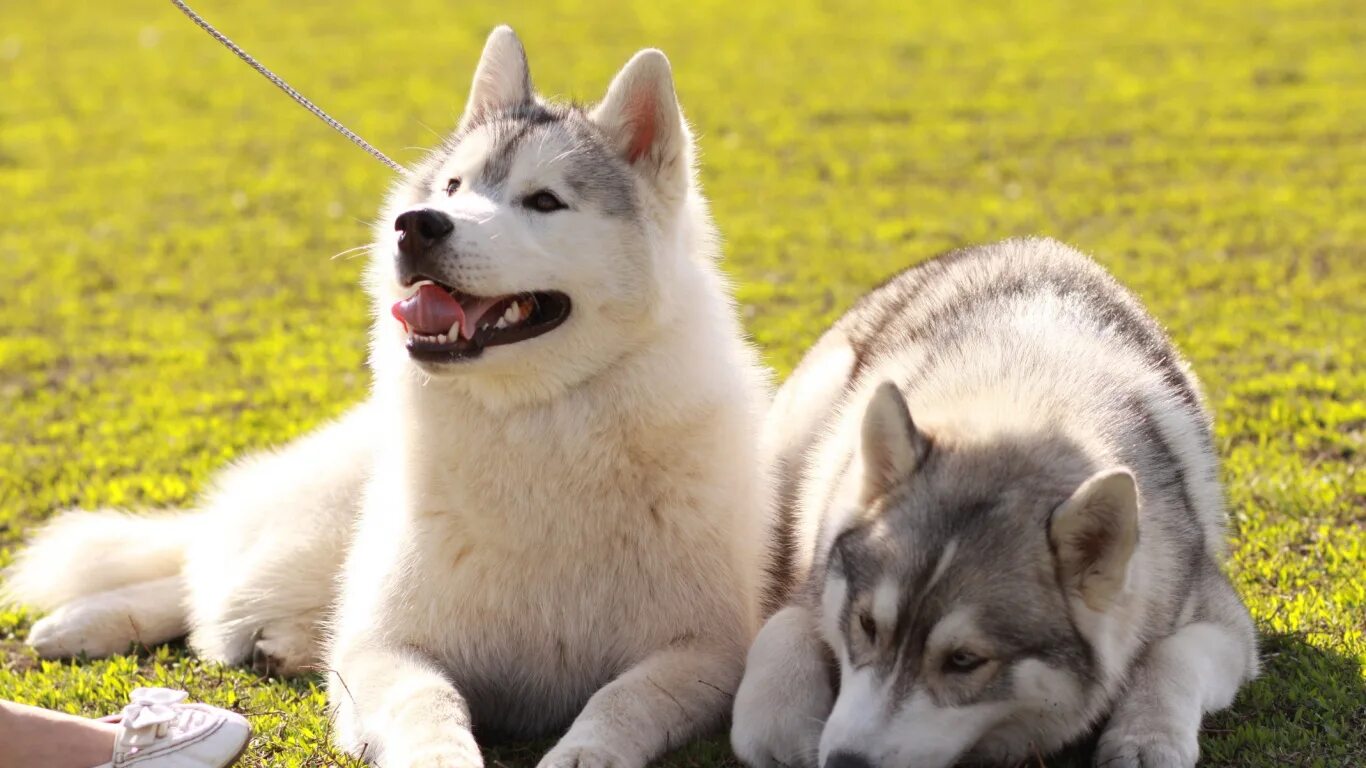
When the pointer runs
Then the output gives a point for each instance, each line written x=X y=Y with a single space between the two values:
x=83 y=553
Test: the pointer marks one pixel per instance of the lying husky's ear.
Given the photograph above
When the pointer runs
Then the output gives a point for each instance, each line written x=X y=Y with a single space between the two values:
x=502 y=80
x=640 y=114
x=1094 y=534
x=892 y=444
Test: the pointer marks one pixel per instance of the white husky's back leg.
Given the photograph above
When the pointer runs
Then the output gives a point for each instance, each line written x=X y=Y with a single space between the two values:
x=106 y=623
x=289 y=647
x=262 y=569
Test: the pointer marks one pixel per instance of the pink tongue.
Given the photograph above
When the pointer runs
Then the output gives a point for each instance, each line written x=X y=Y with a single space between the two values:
x=431 y=311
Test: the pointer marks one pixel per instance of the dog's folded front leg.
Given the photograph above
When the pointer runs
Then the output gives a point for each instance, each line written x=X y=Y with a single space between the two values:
x=1156 y=722
x=661 y=703
x=786 y=694
x=395 y=708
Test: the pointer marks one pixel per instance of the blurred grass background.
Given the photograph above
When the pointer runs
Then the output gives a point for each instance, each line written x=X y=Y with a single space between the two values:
x=167 y=300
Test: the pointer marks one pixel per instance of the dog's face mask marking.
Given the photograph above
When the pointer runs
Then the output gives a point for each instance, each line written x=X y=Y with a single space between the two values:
x=945 y=602
x=533 y=242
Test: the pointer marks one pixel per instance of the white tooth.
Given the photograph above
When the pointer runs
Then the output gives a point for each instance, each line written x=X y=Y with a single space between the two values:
x=454 y=332
x=511 y=313
x=441 y=338
x=502 y=322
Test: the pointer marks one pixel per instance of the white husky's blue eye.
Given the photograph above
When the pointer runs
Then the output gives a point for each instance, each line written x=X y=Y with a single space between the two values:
x=452 y=186
x=543 y=201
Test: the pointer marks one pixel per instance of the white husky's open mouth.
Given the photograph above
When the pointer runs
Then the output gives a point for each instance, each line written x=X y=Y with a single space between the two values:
x=445 y=325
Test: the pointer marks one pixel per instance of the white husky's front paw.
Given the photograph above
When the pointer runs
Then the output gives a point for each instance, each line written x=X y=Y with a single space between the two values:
x=436 y=759
x=393 y=746
x=459 y=751
x=78 y=628
x=1127 y=747
x=586 y=756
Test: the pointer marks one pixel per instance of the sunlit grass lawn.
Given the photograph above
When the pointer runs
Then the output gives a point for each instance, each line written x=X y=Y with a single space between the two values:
x=167 y=301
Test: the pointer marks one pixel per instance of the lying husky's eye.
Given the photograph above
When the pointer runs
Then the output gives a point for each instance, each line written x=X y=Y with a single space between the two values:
x=869 y=627
x=452 y=186
x=543 y=201
x=962 y=662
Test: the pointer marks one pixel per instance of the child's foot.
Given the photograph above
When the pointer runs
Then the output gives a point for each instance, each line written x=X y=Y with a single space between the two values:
x=157 y=730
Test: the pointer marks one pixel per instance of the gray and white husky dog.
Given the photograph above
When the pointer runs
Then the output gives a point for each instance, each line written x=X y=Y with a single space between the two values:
x=1008 y=525
x=549 y=513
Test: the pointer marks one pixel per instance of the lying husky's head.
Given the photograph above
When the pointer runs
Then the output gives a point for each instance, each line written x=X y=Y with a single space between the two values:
x=967 y=602
x=530 y=249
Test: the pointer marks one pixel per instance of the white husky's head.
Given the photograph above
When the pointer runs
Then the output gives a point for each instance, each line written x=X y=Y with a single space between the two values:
x=972 y=601
x=535 y=246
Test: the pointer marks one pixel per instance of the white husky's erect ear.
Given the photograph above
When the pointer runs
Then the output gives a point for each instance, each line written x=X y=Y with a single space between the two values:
x=1094 y=534
x=892 y=444
x=502 y=80
x=641 y=115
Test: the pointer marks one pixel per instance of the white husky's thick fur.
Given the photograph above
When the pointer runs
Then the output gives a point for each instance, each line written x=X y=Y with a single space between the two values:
x=1008 y=520
x=557 y=524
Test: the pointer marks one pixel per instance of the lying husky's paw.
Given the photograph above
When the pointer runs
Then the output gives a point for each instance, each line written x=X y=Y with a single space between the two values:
x=780 y=736
x=1122 y=748
x=81 y=627
x=584 y=756
x=785 y=696
x=775 y=725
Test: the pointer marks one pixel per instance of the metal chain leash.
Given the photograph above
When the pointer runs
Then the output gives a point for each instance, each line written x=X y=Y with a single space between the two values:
x=282 y=85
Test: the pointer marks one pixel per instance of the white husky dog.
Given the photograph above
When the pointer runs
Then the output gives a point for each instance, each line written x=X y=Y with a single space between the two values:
x=549 y=514
x=1007 y=507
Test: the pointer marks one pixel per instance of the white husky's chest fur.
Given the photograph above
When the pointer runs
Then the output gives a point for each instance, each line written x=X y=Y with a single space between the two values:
x=514 y=546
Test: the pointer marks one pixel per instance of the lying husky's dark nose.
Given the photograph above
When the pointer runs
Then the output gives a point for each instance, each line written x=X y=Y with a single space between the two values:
x=421 y=229
x=847 y=760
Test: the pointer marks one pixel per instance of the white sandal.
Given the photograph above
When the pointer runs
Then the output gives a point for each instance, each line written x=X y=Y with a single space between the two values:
x=157 y=730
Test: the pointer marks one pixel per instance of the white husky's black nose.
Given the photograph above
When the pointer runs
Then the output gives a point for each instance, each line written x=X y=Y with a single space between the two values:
x=847 y=760
x=421 y=229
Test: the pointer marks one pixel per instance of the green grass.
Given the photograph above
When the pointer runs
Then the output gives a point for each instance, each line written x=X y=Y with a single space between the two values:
x=167 y=302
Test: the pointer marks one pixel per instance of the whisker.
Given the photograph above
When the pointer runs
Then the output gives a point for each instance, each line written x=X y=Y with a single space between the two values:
x=365 y=247
x=431 y=130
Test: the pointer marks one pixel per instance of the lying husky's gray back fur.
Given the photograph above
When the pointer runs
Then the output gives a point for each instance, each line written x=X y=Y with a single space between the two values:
x=945 y=326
